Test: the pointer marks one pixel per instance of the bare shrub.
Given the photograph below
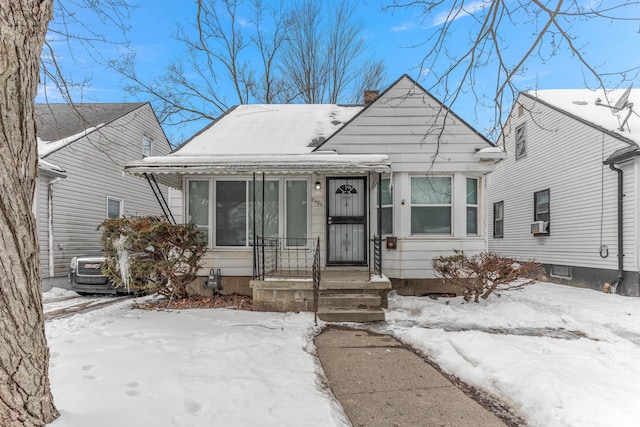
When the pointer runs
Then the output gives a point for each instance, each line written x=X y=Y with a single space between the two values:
x=480 y=275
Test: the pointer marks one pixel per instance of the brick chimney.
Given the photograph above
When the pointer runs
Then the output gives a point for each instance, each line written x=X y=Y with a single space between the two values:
x=370 y=96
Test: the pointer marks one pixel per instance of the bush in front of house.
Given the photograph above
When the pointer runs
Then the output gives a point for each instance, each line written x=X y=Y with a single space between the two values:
x=152 y=255
x=480 y=275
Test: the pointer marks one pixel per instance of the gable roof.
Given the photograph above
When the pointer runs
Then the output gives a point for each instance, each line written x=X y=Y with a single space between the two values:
x=60 y=124
x=415 y=85
x=269 y=129
x=594 y=108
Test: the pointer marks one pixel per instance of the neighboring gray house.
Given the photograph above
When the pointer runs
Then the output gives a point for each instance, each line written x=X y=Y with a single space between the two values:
x=324 y=173
x=555 y=198
x=83 y=149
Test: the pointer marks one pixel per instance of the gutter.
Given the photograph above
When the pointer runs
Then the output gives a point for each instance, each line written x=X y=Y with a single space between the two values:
x=618 y=156
x=620 y=277
x=50 y=221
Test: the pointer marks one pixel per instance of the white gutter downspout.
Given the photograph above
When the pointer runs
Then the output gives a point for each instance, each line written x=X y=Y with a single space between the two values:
x=50 y=222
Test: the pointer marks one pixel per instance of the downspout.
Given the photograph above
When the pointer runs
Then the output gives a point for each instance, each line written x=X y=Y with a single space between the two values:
x=618 y=280
x=50 y=222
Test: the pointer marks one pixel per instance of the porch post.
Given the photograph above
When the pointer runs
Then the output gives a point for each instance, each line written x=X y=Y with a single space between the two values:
x=380 y=221
x=255 y=237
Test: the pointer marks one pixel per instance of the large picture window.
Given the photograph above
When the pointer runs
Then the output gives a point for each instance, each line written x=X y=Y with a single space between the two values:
x=431 y=205
x=284 y=212
x=472 y=206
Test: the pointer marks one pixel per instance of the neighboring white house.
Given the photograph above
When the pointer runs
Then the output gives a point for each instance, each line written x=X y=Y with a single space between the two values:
x=319 y=170
x=83 y=149
x=555 y=197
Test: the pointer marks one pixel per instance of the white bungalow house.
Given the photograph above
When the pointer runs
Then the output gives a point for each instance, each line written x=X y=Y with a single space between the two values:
x=382 y=188
x=82 y=150
x=567 y=193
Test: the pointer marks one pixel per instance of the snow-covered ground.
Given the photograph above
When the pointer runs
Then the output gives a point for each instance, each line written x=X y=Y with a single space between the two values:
x=559 y=356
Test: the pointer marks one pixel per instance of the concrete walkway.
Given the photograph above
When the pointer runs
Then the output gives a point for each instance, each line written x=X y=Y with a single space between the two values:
x=381 y=383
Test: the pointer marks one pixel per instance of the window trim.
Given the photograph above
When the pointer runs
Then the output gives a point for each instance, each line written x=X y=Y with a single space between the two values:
x=548 y=212
x=495 y=219
x=521 y=131
x=120 y=206
x=417 y=205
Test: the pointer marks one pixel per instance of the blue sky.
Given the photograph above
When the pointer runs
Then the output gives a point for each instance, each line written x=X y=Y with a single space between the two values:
x=395 y=36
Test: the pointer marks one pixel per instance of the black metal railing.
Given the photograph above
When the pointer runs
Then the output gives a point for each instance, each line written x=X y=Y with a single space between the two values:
x=284 y=257
x=316 y=281
x=377 y=255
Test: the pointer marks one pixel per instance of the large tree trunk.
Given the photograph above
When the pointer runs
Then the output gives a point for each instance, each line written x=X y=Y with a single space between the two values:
x=25 y=395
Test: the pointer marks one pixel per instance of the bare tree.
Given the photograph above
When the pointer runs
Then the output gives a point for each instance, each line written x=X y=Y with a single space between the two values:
x=75 y=33
x=491 y=58
x=25 y=396
x=265 y=53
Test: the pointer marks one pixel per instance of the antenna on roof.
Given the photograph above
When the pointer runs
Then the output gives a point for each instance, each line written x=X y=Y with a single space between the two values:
x=621 y=104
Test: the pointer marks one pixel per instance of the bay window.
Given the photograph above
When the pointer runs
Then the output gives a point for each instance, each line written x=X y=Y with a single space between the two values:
x=387 y=206
x=282 y=211
x=472 y=206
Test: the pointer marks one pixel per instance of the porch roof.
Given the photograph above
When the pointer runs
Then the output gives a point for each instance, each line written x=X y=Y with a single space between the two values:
x=169 y=169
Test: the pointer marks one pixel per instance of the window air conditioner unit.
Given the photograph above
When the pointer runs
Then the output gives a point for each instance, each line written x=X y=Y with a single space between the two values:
x=539 y=227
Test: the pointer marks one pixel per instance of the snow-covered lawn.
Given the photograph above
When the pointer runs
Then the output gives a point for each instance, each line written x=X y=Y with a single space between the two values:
x=559 y=356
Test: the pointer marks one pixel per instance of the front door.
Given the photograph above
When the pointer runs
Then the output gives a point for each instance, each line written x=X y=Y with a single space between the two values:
x=346 y=221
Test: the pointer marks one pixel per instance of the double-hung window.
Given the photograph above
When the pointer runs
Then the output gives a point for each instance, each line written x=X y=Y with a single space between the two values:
x=472 y=206
x=386 y=203
x=198 y=206
x=521 y=142
x=541 y=207
x=431 y=205
x=114 y=207
x=147 y=146
x=498 y=219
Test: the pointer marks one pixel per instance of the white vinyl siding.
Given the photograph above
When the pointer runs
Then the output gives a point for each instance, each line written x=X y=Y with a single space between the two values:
x=565 y=155
x=93 y=165
x=400 y=125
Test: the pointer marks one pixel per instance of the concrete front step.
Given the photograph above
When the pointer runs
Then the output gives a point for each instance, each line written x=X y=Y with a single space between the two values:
x=350 y=315
x=349 y=300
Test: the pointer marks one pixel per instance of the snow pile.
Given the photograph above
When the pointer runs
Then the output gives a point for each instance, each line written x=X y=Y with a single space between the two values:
x=122 y=367
x=559 y=356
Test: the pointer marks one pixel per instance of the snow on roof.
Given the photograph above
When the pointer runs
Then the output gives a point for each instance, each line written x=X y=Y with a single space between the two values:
x=490 y=153
x=47 y=147
x=43 y=165
x=596 y=107
x=270 y=129
x=275 y=163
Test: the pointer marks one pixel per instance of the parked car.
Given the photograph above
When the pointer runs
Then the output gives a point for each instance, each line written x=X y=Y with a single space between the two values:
x=86 y=277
